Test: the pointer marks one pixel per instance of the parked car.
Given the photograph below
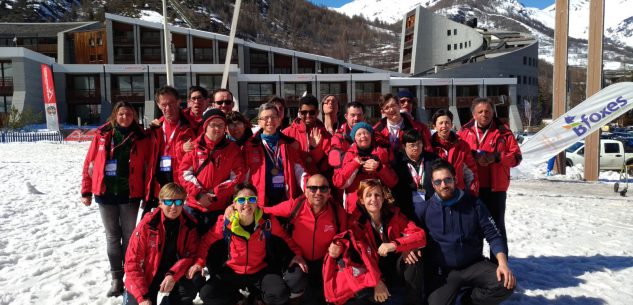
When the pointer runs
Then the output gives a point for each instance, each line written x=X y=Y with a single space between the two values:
x=613 y=154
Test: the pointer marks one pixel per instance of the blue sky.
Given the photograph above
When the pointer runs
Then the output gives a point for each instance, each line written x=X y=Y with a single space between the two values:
x=528 y=3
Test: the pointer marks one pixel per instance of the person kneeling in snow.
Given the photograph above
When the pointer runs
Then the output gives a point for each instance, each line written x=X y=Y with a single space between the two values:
x=455 y=222
x=161 y=250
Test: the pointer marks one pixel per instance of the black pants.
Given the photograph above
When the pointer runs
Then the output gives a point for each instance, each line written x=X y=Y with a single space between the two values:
x=223 y=288
x=205 y=220
x=311 y=283
x=481 y=277
x=496 y=204
x=183 y=293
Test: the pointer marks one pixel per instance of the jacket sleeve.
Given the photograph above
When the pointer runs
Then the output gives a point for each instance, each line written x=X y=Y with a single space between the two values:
x=135 y=282
x=344 y=176
x=86 y=174
x=511 y=156
x=472 y=183
x=411 y=236
x=386 y=173
x=190 y=181
x=207 y=240
x=283 y=209
x=278 y=231
x=224 y=190
x=489 y=228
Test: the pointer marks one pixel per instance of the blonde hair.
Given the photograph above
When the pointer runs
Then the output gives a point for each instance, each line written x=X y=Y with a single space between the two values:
x=172 y=191
x=375 y=183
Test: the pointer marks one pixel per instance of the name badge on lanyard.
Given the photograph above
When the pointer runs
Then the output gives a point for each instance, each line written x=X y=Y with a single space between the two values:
x=279 y=181
x=165 y=164
x=110 y=168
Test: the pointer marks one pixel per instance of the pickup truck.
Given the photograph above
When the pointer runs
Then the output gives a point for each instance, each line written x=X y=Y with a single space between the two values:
x=613 y=154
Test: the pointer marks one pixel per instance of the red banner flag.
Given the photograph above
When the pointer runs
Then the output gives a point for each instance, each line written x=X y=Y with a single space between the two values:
x=50 y=101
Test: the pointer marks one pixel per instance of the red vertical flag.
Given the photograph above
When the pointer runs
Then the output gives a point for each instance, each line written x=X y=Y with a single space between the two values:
x=50 y=101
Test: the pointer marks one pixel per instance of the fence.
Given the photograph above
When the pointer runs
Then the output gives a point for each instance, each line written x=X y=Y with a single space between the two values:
x=31 y=136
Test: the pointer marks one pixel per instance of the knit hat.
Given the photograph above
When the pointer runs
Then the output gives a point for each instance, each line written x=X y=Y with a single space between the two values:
x=405 y=93
x=358 y=126
x=213 y=113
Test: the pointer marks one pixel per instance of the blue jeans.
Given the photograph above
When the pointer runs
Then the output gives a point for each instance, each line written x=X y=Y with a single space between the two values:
x=119 y=220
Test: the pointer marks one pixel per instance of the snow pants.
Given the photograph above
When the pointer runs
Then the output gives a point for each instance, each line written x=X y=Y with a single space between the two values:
x=223 y=288
x=496 y=204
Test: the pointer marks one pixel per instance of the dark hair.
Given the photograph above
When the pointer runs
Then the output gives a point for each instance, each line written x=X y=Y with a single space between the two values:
x=411 y=136
x=356 y=104
x=244 y=186
x=277 y=100
x=164 y=90
x=384 y=99
x=440 y=164
x=441 y=112
x=202 y=91
x=216 y=91
x=309 y=100
x=235 y=116
x=115 y=110
x=481 y=100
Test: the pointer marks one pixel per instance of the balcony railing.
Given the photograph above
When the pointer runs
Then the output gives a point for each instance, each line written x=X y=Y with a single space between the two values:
x=83 y=96
x=128 y=96
x=150 y=59
x=436 y=101
x=406 y=58
x=465 y=101
x=6 y=85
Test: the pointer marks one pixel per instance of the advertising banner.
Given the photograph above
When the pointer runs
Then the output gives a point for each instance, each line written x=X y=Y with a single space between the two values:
x=579 y=122
x=50 y=101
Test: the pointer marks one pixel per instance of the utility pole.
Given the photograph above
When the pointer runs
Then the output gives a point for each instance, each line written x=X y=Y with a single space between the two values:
x=229 y=49
x=167 y=38
x=594 y=83
x=559 y=88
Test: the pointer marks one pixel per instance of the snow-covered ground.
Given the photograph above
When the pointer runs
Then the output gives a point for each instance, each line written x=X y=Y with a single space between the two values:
x=570 y=242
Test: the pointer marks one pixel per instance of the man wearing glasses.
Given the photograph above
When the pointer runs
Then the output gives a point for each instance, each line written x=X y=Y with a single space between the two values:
x=313 y=220
x=161 y=250
x=454 y=222
x=312 y=136
x=223 y=100
x=196 y=105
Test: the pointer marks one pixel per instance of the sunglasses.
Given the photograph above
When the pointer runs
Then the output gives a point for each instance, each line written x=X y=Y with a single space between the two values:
x=224 y=102
x=169 y=202
x=448 y=180
x=308 y=112
x=245 y=199
x=314 y=188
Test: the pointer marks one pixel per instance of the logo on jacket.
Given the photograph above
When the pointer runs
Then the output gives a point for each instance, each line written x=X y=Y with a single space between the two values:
x=356 y=271
x=586 y=121
x=328 y=228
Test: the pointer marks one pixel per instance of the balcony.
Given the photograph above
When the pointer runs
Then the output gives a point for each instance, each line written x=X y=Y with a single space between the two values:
x=435 y=101
x=406 y=58
x=123 y=59
x=123 y=40
x=128 y=96
x=150 y=59
x=6 y=85
x=465 y=101
x=408 y=43
x=368 y=98
x=42 y=47
x=83 y=96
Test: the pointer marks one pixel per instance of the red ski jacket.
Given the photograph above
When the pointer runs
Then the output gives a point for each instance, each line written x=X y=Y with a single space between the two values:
x=382 y=133
x=349 y=176
x=144 y=251
x=100 y=149
x=212 y=167
x=500 y=141
x=315 y=159
x=247 y=255
x=340 y=144
x=182 y=134
x=312 y=233
x=457 y=153
x=294 y=172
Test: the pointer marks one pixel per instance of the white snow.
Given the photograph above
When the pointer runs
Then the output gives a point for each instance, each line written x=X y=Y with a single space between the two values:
x=151 y=16
x=571 y=242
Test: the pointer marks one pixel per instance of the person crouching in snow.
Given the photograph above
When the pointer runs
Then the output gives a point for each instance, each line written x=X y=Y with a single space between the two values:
x=161 y=250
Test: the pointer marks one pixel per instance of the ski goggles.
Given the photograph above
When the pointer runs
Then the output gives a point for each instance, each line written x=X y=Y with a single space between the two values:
x=169 y=202
x=245 y=199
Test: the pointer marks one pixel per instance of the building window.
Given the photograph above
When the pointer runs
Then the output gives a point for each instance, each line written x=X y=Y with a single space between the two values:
x=259 y=93
x=455 y=46
x=448 y=32
x=448 y=47
x=524 y=60
x=455 y=32
x=524 y=79
x=461 y=45
x=210 y=81
x=410 y=21
x=469 y=44
x=292 y=93
x=519 y=79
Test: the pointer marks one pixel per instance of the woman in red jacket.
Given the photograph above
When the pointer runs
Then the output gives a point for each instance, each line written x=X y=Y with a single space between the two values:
x=363 y=160
x=161 y=251
x=450 y=147
x=247 y=233
x=395 y=238
x=114 y=172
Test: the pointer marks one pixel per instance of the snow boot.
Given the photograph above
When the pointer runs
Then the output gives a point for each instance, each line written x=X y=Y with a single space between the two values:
x=116 y=286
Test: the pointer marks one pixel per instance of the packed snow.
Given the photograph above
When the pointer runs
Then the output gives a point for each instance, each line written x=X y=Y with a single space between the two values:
x=570 y=241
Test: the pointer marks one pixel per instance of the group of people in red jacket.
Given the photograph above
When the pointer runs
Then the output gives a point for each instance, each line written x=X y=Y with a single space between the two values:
x=316 y=210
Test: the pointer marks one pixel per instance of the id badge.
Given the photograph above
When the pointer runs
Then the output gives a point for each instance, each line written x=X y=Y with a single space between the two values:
x=165 y=164
x=278 y=181
x=418 y=197
x=110 y=168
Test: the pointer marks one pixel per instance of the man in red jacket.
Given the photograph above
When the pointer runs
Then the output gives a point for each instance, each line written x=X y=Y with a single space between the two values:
x=495 y=150
x=196 y=105
x=162 y=248
x=313 y=220
x=168 y=137
x=341 y=140
x=311 y=135
x=211 y=171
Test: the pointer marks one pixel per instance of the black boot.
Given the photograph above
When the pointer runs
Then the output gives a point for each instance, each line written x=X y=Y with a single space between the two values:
x=116 y=286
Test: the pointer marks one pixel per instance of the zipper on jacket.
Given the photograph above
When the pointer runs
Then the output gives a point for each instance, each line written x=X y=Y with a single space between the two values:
x=246 y=265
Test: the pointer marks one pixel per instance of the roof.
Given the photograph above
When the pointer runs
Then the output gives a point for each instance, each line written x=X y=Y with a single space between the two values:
x=38 y=29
